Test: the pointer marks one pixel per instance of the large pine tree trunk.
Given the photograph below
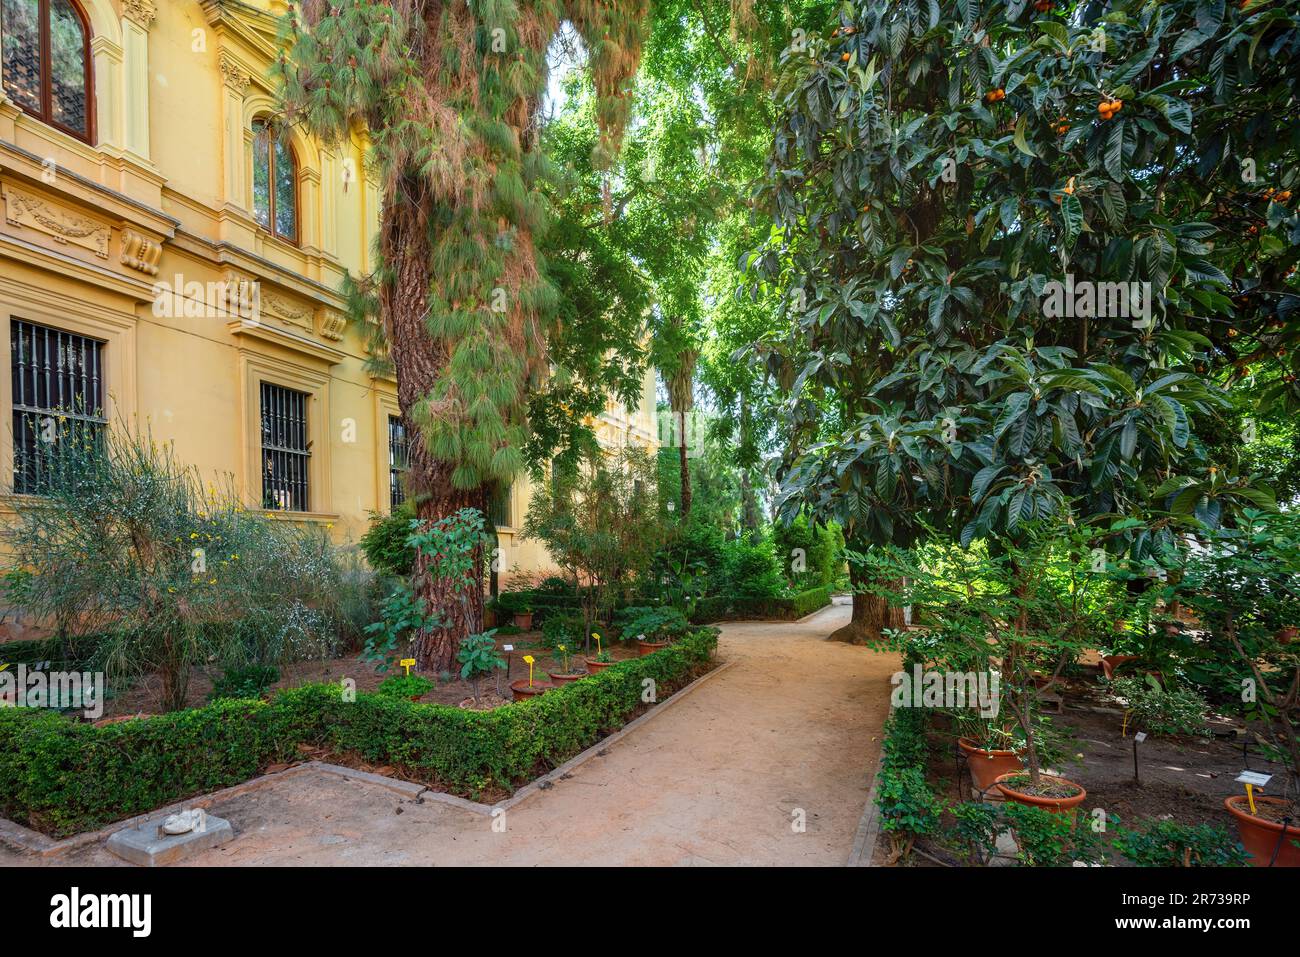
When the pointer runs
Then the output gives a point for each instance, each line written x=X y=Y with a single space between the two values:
x=418 y=360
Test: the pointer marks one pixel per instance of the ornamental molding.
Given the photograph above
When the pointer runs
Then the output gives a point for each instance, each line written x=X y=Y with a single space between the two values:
x=333 y=324
x=140 y=252
x=61 y=224
x=288 y=311
x=140 y=12
x=234 y=75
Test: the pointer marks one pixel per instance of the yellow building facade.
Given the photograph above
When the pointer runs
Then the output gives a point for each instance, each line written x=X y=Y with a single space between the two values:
x=164 y=262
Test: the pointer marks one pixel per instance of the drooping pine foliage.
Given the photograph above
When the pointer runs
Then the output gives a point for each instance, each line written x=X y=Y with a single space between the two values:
x=448 y=93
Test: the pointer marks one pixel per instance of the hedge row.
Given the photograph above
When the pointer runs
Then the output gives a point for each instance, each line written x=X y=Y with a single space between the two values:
x=719 y=608
x=62 y=777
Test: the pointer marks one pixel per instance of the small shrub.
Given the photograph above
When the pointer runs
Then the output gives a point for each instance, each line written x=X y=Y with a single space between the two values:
x=1046 y=839
x=752 y=568
x=1159 y=710
x=562 y=629
x=385 y=543
x=250 y=682
x=405 y=686
x=657 y=624
x=1170 y=844
x=478 y=657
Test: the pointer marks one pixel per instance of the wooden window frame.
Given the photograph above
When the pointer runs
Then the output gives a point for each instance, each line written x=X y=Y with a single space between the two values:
x=271 y=140
x=46 y=115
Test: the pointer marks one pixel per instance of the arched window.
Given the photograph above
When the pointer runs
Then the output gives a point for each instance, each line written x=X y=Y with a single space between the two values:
x=275 y=183
x=47 y=69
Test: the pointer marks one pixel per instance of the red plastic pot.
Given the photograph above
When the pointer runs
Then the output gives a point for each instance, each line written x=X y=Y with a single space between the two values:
x=1260 y=837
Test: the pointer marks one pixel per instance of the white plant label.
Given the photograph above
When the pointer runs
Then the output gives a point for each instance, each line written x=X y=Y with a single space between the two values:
x=1254 y=778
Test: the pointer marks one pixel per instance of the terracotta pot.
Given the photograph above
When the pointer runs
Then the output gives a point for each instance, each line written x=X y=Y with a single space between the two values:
x=524 y=620
x=489 y=619
x=986 y=766
x=649 y=647
x=566 y=679
x=1064 y=805
x=595 y=667
x=1111 y=663
x=1286 y=634
x=522 y=691
x=1260 y=837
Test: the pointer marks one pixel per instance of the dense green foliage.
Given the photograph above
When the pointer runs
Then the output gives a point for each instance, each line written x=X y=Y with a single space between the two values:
x=62 y=778
x=167 y=573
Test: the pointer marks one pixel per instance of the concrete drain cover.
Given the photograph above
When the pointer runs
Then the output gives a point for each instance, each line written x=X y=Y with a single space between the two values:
x=149 y=845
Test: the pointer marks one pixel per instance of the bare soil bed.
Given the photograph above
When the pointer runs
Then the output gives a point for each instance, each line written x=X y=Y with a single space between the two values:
x=143 y=697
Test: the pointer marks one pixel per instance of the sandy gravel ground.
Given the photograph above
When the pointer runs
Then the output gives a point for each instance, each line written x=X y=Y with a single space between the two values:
x=791 y=731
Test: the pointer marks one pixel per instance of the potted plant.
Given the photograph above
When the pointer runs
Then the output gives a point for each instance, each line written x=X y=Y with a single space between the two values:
x=569 y=670
x=532 y=686
x=1019 y=610
x=598 y=664
x=411 y=687
x=1244 y=587
x=523 y=619
x=984 y=758
x=654 y=627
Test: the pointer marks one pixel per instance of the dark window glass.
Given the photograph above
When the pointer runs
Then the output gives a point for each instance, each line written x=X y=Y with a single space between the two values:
x=58 y=392
x=47 y=69
x=275 y=183
x=398 y=460
x=285 y=449
x=499 y=506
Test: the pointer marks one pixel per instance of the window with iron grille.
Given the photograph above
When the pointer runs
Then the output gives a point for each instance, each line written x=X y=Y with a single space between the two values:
x=58 y=392
x=499 y=506
x=286 y=451
x=397 y=460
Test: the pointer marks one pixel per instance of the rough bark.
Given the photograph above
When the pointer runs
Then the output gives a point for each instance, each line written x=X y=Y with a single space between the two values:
x=418 y=359
x=872 y=614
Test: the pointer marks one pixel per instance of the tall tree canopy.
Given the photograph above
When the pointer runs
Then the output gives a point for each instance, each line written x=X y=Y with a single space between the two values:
x=936 y=165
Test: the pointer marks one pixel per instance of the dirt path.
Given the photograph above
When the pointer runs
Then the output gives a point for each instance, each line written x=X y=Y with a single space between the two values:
x=792 y=725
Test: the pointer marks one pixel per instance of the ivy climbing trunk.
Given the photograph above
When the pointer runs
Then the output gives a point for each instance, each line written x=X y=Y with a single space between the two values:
x=460 y=610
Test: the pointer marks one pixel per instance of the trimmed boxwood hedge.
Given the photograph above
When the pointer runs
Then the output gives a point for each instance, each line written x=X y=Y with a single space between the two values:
x=718 y=608
x=62 y=777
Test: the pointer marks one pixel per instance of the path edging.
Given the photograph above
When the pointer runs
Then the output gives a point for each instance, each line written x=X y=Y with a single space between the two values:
x=20 y=838
x=868 y=832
